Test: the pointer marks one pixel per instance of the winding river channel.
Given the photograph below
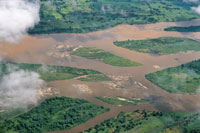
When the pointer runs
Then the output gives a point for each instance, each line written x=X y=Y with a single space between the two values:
x=37 y=49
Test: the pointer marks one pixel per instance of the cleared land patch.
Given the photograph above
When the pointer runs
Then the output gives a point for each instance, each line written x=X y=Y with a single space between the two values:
x=103 y=56
x=56 y=113
x=163 y=45
x=124 y=101
x=180 y=79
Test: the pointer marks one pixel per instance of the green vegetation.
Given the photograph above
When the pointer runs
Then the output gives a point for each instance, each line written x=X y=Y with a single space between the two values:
x=47 y=72
x=184 y=29
x=125 y=101
x=163 y=45
x=146 y=121
x=106 y=57
x=95 y=78
x=180 y=79
x=56 y=113
x=11 y=113
x=80 y=16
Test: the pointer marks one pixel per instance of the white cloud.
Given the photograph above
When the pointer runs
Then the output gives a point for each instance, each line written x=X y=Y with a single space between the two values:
x=190 y=0
x=196 y=9
x=20 y=89
x=16 y=17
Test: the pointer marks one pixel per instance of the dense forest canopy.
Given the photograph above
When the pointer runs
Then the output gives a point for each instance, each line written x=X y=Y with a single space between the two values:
x=55 y=113
x=79 y=16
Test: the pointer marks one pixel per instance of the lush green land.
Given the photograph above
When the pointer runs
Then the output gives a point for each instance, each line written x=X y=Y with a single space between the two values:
x=163 y=45
x=106 y=57
x=125 y=101
x=145 y=121
x=56 y=113
x=95 y=78
x=47 y=72
x=11 y=113
x=80 y=16
x=180 y=79
x=184 y=29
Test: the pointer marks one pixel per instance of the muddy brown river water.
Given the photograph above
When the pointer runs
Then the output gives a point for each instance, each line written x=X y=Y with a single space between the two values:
x=36 y=49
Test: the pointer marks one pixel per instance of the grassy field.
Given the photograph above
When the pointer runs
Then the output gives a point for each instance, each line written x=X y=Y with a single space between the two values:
x=95 y=77
x=47 y=72
x=163 y=45
x=56 y=113
x=80 y=16
x=180 y=79
x=125 y=101
x=184 y=29
x=146 y=121
x=106 y=57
